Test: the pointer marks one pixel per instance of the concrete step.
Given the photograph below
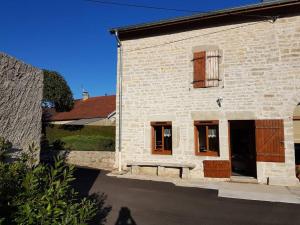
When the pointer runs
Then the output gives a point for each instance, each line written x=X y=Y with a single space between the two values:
x=243 y=179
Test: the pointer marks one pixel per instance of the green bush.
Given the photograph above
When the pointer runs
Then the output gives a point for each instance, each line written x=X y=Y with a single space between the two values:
x=41 y=194
x=11 y=178
x=55 y=132
x=81 y=138
x=88 y=143
x=5 y=146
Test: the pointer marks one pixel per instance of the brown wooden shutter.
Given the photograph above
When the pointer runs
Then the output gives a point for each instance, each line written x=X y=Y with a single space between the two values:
x=217 y=168
x=269 y=140
x=199 y=69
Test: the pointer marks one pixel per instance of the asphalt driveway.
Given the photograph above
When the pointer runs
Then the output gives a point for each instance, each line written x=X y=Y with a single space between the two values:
x=139 y=202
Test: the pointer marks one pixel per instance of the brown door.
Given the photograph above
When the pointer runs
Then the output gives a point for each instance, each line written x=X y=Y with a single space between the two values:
x=269 y=140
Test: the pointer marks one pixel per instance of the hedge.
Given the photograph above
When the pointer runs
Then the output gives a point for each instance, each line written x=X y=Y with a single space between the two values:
x=82 y=138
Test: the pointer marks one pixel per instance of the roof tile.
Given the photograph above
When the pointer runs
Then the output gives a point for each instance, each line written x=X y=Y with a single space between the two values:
x=94 y=107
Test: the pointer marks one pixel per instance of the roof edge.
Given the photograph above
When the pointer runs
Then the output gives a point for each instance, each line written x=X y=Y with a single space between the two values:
x=217 y=13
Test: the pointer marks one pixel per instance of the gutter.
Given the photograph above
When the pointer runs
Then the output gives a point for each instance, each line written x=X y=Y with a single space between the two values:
x=120 y=72
x=111 y=114
x=254 y=8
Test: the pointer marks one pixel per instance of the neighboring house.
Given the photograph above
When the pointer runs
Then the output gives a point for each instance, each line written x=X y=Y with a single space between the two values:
x=21 y=93
x=211 y=94
x=94 y=111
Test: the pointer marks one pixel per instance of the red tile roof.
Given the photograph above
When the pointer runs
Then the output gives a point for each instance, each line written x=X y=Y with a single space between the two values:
x=94 y=107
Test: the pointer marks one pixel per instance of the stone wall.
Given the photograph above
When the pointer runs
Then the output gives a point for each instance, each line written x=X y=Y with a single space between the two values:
x=260 y=79
x=21 y=92
x=92 y=159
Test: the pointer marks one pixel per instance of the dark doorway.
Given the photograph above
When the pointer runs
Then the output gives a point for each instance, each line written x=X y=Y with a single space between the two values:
x=242 y=147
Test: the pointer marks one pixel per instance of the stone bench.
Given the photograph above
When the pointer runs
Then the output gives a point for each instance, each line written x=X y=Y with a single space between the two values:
x=161 y=169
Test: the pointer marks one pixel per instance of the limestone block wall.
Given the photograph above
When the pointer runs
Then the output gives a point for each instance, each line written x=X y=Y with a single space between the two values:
x=92 y=159
x=260 y=79
x=21 y=92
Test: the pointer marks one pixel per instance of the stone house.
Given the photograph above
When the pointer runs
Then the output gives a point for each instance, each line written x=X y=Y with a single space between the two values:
x=92 y=111
x=211 y=95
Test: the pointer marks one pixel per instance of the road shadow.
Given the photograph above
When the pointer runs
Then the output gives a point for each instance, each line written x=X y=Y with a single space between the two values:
x=85 y=179
x=103 y=209
x=125 y=217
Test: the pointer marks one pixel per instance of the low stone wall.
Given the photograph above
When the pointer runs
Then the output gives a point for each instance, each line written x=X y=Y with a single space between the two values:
x=92 y=159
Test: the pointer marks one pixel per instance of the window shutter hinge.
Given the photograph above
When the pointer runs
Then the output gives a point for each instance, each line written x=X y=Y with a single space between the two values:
x=210 y=56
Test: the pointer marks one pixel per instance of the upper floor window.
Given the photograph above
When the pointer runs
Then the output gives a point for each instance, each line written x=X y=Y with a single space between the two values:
x=161 y=138
x=206 y=69
x=207 y=138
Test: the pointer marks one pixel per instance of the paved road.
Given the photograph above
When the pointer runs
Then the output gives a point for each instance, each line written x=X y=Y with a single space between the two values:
x=154 y=203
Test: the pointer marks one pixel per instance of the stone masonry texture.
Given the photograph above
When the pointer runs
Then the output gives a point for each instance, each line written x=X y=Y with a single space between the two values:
x=92 y=159
x=21 y=92
x=260 y=79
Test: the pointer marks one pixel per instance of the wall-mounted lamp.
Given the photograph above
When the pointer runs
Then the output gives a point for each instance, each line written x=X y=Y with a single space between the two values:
x=219 y=101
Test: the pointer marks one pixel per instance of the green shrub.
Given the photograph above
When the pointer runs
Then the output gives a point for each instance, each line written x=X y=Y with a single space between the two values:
x=11 y=178
x=41 y=194
x=107 y=144
x=5 y=146
x=58 y=145
x=47 y=198
x=89 y=143
x=81 y=138
x=56 y=132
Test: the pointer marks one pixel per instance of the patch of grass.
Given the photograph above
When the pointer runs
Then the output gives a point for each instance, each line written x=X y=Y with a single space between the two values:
x=89 y=143
x=83 y=138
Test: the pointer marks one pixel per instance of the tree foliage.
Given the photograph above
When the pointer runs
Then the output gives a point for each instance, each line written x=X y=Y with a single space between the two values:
x=57 y=92
x=32 y=193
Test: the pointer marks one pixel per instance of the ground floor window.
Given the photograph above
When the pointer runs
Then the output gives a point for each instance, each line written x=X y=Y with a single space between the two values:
x=207 y=138
x=161 y=138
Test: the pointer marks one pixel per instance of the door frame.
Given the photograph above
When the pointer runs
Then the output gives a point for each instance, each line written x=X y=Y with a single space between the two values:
x=229 y=146
x=230 y=149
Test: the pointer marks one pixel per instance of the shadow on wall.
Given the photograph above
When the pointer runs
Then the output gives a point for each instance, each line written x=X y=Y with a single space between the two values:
x=8 y=153
x=13 y=154
x=125 y=217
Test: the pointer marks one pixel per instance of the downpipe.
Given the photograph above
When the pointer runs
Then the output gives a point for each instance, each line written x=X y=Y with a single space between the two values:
x=120 y=71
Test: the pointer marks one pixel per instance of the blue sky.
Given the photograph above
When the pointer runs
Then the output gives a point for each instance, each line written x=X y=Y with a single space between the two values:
x=71 y=36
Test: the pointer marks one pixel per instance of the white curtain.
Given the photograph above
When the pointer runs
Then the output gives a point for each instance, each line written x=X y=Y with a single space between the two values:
x=212 y=133
x=167 y=133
